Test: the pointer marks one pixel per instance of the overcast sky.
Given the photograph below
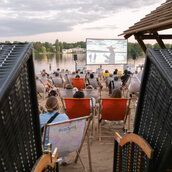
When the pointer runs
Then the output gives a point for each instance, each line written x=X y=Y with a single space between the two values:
x=69 y=20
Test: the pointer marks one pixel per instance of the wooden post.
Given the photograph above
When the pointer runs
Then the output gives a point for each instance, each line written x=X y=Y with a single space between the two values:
x=140 y=41
x=159 y=40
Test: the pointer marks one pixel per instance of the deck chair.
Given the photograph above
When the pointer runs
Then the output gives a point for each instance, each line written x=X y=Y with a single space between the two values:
x=78 y=83
x=66 y=93
x=68 y=136
x=88 y=93
x=112 y=109
x=70 y=76
x=58 y=82
x=93 y=82
x=80 y=107
x=131 y=153
x=40 y=88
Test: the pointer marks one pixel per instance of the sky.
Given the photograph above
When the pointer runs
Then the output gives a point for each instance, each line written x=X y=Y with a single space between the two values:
x=68 y=20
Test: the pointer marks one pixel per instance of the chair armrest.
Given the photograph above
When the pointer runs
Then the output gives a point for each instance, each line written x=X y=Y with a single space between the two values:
x=46 y=160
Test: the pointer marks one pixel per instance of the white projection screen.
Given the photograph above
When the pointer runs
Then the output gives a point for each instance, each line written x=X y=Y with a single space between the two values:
x=106 y=51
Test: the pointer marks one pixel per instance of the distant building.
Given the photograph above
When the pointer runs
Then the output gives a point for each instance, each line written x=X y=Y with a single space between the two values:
x=74 y=50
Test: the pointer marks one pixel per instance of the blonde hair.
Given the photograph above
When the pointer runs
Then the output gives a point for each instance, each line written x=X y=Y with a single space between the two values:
x=51 y=104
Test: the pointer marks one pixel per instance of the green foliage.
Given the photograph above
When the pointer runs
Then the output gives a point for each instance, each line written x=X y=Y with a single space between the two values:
x=133 y=48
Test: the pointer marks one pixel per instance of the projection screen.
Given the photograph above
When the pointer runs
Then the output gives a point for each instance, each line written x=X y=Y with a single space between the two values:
x=106 y=51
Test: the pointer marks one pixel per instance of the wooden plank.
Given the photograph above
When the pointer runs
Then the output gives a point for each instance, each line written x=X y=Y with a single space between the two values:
x=46 y=160
x=153 y=37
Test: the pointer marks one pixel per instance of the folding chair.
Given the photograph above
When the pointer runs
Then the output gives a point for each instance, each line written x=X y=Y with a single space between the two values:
x=58 y=82
x=88 y=93
x=40 y=88
x=65 y=93
x=131 y=153
x=78 y=83
x=79 y=107
x=112 y=109
x=93 y=82
x=68 y=136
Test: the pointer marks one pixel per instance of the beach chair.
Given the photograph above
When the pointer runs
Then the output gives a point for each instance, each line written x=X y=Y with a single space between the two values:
x=68 y=136
x=93 y=82
x=89 y=93
x=78 y=83
x=70 y=76
x=131 y=153
x=66 y=93
x=41 y=88
x=20 y=138
x=113 y=109
x=58 y=82
x=80 y=107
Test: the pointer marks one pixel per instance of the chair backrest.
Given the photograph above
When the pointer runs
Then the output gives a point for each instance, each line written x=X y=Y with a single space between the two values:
x=88 y=93
x=113 y=109
x=67 y=135
x=153 y=119
x=20 y=140
x=70 y=76
x=78 y=83
x=67 y=93
x=82 y=75
x=40 y=87
x=131 y=153
x=108 y=80
x=58 y=82
x=77 y=107
x=93 y=82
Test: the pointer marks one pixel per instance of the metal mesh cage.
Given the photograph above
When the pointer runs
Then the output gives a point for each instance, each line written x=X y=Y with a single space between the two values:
x=154 y=111
x=20 y=141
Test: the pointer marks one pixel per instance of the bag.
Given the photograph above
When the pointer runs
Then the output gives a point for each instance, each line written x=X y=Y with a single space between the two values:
x=50 y=120
x=52 y=93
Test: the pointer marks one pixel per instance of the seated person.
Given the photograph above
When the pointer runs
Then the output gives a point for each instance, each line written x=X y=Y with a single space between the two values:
x=80 y=94
x=94 y=81
x=114 y=84
x=68 y=86
x=115 y=72
x=52 y=106
x=77 y=76
x=45 y=81
x=116 y=93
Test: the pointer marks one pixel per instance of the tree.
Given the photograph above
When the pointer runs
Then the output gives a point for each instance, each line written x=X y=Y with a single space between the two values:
x=43 y=49
x=57 y=46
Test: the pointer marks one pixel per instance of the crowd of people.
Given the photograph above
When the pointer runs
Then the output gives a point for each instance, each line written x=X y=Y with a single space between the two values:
x=114 y=84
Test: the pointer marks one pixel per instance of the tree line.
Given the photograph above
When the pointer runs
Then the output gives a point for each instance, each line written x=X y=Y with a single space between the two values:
x=134 y=49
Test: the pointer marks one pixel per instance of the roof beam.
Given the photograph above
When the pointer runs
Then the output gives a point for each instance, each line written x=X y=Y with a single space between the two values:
x=140 y=41
x=159 y=40
x=154 y=37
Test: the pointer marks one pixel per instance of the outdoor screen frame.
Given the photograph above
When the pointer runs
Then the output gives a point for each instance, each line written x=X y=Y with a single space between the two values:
x=107 y=39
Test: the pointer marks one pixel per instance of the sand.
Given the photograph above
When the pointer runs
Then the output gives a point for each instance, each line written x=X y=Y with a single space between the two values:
x=101 y=152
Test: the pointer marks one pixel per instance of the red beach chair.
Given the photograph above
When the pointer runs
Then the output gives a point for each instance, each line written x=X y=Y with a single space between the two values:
x=78 y=83
x=79 y=107
x=112 y=109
